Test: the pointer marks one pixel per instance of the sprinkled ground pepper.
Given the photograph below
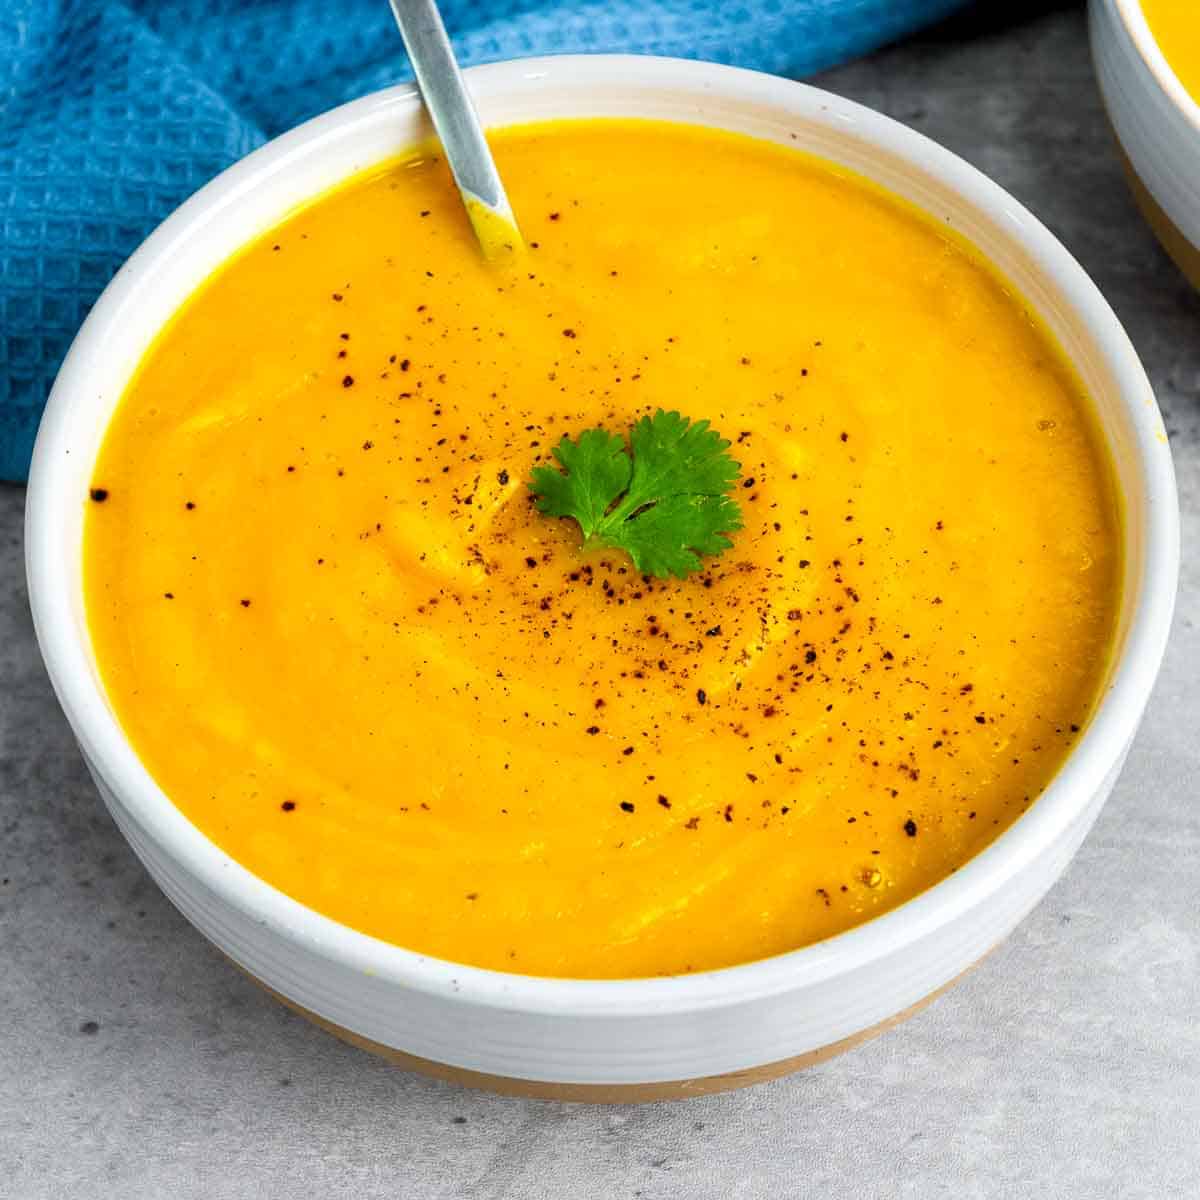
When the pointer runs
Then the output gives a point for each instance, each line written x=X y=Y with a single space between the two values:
x=437 y=578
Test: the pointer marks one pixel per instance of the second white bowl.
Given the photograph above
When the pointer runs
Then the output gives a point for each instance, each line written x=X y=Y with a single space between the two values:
x=1157 y=125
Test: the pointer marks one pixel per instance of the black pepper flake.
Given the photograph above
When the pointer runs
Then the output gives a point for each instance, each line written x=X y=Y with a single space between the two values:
x=99 y=495
x=910 y=827
x=337 y=296
x=664 y=802
x=593 y=730
x=168 y=595
x=701 y=696
x=627 y=751
x=627 y=806
x=347 y=381
x=288 y=806
x=980 y=719
x=569 y=333
x=189 y=505
x=245 y=603
x=502 y=478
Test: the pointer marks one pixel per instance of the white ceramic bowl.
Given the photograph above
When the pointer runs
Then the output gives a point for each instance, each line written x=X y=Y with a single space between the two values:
x=1157 y=124
x=628 y=1037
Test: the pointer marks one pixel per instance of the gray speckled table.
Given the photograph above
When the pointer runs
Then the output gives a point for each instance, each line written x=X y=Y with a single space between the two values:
x=135 y=1062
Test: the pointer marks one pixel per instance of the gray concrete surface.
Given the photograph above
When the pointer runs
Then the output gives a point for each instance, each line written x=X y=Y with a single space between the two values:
x=134 y=1062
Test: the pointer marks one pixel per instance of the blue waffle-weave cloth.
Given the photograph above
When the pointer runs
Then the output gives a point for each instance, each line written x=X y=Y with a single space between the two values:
x=112 y=113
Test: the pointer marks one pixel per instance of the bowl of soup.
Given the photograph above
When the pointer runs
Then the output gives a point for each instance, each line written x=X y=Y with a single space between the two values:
x=507 y=808
x=1147 y=56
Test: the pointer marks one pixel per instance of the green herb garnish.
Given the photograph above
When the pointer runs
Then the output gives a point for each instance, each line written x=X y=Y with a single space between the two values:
x=664 y=502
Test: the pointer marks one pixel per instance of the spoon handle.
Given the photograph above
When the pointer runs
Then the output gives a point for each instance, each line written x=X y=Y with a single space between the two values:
x=457 y=124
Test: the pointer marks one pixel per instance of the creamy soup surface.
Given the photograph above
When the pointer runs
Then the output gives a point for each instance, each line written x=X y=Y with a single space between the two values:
x=347 y=646
x=1176 y=27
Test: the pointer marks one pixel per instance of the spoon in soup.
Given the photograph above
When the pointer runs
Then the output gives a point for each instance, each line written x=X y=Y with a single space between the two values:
x=457 y=123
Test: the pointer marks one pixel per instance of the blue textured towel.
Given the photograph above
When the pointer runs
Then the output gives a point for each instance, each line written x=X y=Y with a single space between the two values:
x=112 y=113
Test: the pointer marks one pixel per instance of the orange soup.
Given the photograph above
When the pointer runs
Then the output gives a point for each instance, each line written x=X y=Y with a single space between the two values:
x=1176 y=28
x=350 y=649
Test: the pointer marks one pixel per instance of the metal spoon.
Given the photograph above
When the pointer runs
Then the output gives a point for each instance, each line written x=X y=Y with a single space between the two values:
x=457 y=124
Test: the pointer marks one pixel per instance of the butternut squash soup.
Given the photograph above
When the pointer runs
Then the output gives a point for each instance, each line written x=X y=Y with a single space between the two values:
x=1176 y=28
x=347 y=644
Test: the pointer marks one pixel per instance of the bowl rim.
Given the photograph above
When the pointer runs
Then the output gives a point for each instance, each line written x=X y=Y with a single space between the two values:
x=1096 y=755
x=1133 y=17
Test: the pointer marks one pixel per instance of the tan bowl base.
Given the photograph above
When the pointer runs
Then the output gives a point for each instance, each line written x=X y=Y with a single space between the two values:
x=604 y=1093
x=1185 y=255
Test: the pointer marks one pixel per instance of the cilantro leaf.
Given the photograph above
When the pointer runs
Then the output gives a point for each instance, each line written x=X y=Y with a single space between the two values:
x=598 y=471
x=668 y=537
x=665 y=507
